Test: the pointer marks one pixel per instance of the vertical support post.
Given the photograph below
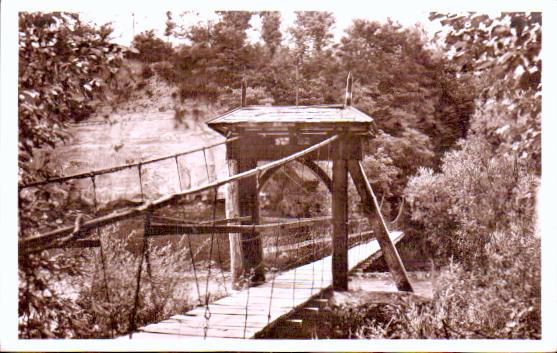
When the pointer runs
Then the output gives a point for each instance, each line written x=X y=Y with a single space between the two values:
x=371 y=207
x=252 y=246
x=340 y=221
x=232 y=209
x=246 y=249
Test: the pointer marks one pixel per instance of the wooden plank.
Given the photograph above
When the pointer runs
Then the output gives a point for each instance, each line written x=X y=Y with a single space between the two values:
x=371 y=206
x=196 y=332
x=340 y=224
x=289 y=291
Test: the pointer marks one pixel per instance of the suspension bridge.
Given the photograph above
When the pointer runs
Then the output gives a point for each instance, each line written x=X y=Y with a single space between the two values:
x=275 y=264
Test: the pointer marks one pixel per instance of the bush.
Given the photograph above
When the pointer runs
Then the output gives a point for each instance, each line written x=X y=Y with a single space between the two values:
x=501 y=300
x=151 y=49
x=476 y=194
x=146 y=72
x=166 y=71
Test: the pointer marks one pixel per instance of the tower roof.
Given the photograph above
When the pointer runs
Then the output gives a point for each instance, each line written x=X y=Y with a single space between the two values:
x=277 y=120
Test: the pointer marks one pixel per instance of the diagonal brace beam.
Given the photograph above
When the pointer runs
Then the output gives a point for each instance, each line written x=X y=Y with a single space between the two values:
x=371 y=208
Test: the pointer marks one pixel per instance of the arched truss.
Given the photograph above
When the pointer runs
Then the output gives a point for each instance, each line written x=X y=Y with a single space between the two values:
x=314 y=167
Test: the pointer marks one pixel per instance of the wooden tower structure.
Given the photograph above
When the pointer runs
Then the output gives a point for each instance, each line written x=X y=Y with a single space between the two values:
x=268 y=133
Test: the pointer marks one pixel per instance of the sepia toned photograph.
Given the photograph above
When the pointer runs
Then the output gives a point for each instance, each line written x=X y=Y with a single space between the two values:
x=352 y=174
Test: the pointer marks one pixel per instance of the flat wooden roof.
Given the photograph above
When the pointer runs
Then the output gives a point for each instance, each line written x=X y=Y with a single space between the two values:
x=283 y=118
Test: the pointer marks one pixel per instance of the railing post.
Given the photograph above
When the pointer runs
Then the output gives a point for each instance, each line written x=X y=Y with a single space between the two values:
x=340 y=220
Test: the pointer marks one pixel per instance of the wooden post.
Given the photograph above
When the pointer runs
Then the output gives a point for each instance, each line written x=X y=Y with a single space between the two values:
x=371 y=207
x=340 y=223
x=252 y=246
x=232 y=208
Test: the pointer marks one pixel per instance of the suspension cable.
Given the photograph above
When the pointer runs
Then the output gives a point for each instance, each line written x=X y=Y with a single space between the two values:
x=103 y=262
x=188 y=238
x=41 y=239
x=219 y=257
x=275 y=267
x=207 y=293
x=118 y=168
x=146 y=227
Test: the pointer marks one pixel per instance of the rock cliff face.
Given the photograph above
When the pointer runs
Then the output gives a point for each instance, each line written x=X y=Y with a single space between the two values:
x=149 y=124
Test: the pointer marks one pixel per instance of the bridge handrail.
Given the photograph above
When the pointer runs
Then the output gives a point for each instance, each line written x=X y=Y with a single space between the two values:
x=42 y=241
x=93 y=173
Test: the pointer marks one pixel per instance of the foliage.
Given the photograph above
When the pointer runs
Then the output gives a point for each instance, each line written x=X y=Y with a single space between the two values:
x=151 y=49
x=311 y=32
x=501 y=300
x=292 y=192
x=270 y=30
x=490 y=182
x=503 y=54
x=64 y=65
x=476 y=193
x=479 y=208
x=404 y=84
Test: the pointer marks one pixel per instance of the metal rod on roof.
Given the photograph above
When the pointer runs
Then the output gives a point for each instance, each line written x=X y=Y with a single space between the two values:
x=244 y=84
x=348 y=98
x=297 y=77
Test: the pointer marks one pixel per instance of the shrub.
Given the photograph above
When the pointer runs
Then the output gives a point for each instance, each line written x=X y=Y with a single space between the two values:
x=151 y=49
x=476 y=194
x=146 y=71
x=501 y=300
x=166 y=71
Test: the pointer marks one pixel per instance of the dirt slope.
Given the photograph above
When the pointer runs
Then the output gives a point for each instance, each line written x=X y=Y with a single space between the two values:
x=142 y=127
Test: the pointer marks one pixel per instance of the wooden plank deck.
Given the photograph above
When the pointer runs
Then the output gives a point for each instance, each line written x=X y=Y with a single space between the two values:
x=247 y=312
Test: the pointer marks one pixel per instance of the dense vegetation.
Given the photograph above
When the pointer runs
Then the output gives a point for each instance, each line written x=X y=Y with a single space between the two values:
x=459 y=136
x=476 y=214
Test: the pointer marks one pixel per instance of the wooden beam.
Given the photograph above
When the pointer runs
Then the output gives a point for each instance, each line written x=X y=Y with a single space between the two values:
x=158 y=229
x=252 y=246
x=232 y=210
x=173 y=220
x=371 y=207
x=314 y=167
x=340 y=225
x=264 y=148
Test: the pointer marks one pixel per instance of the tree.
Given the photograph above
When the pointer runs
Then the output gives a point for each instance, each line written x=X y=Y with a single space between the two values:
x=503 y=55
x=64 y=66
x=312 y=30
x=151 y=49
x=412 y=93
x=270 y=30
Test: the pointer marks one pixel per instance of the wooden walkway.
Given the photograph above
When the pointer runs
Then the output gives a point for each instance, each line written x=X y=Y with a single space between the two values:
x=247 y=312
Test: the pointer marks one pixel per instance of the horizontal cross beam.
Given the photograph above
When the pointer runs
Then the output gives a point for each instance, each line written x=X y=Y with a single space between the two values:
x=158 y=229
